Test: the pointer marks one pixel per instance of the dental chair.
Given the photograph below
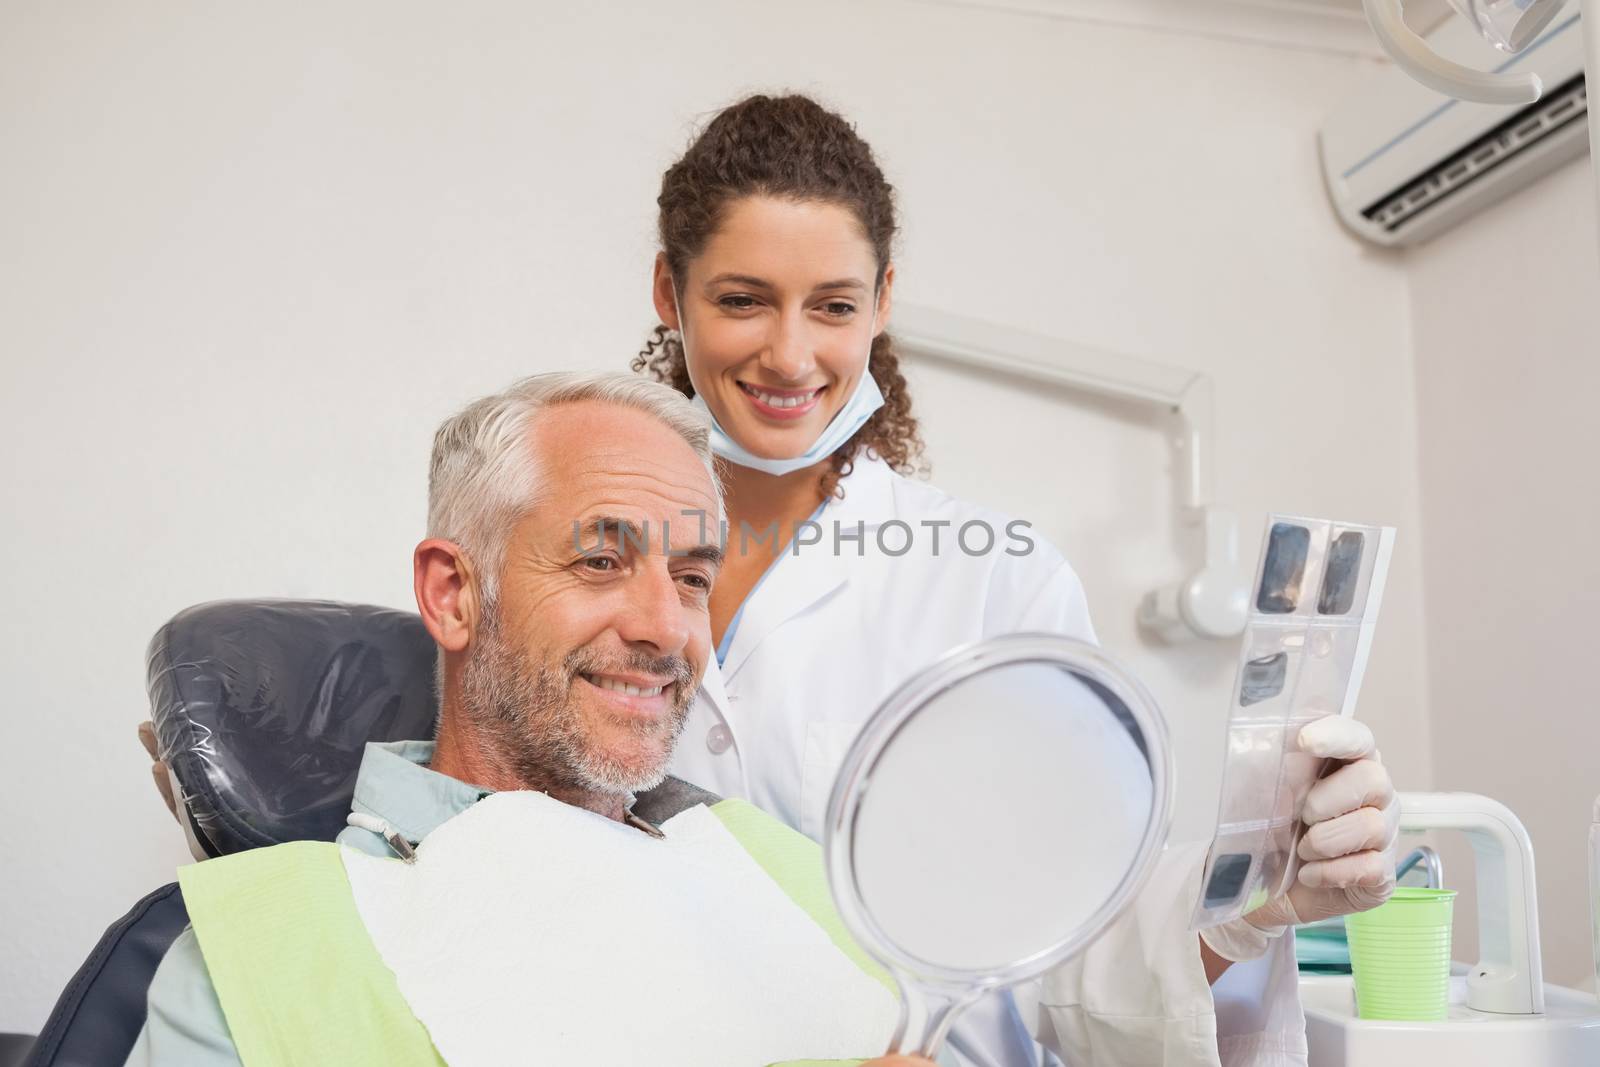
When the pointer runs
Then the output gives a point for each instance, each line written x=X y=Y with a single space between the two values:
x=261 y=711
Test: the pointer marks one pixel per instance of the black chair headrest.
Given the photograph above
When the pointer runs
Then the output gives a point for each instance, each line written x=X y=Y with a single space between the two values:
x=262 y=709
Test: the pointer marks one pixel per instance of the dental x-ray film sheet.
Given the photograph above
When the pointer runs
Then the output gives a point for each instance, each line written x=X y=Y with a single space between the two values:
x=1313 y=610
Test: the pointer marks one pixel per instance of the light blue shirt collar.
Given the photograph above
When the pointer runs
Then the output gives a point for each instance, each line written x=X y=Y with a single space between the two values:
x=394 y=784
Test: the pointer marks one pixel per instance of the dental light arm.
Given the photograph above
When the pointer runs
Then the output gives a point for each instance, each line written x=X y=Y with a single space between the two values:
x=1414 y=56
x=1211 y=602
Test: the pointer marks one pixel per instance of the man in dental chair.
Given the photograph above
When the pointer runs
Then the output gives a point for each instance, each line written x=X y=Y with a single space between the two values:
x=494 y=900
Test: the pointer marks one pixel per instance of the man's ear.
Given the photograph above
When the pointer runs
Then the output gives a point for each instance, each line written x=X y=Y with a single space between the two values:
x=447 y=595
x=885 y=300
x=662 y=292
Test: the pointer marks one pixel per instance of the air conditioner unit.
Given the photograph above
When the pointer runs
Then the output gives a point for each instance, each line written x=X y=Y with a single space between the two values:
x=1403 y=163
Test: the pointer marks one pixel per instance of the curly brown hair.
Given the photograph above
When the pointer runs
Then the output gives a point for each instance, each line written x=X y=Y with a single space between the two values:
x=793 y=148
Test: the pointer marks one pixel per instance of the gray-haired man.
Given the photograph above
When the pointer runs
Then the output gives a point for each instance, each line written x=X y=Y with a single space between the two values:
x=572 y=632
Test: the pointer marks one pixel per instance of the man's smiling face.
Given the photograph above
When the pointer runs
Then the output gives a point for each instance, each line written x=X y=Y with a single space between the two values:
x=584 y=667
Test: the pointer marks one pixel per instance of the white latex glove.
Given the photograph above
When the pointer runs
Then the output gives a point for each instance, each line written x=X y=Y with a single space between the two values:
x=1347 y=851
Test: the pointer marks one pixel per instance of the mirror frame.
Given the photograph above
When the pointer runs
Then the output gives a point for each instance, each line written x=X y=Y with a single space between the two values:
x=854 y=780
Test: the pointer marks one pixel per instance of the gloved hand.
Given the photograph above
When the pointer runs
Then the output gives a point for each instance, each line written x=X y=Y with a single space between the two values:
x=1347 y=851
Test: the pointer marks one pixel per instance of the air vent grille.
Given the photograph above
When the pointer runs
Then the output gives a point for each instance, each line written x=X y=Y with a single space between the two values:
x=1566 y=105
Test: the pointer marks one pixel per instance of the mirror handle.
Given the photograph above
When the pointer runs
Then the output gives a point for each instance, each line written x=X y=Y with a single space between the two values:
x=897 y=1043
x=940 y=1022
x=935 y=1021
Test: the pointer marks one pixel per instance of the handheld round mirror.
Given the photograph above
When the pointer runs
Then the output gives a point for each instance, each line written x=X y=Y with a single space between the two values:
x=995 y=814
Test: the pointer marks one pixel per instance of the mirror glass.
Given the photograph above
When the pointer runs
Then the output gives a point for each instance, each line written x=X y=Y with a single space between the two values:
x=996 y=813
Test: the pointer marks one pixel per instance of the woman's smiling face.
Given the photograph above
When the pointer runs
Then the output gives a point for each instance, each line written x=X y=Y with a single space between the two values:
x=777 y=315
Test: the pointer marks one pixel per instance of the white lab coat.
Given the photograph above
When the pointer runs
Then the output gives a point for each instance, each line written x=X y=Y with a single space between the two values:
x=828 y=634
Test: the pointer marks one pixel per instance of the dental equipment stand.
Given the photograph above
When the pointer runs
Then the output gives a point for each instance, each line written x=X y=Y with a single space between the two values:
x=1508 y=978
x=1501 y=1011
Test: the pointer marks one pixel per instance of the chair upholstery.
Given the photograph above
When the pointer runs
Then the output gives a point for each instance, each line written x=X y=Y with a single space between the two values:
x=98 y=1016
x=262 y=709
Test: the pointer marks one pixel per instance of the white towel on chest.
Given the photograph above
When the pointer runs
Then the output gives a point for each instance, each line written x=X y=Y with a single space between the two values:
x=533 y=932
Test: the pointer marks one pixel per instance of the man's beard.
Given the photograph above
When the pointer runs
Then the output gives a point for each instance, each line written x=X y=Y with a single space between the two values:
x=529 y=715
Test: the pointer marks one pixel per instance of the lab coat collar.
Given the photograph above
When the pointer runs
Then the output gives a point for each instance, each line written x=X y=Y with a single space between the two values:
x=712 y=689
x=868 y=496
x=801 y=580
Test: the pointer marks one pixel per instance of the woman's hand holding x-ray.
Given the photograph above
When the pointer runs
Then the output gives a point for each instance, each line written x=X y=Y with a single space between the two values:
x=1352 y=819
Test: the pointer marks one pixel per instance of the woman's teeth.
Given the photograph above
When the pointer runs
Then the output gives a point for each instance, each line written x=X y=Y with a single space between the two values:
x=776 y=401
x=623 y=687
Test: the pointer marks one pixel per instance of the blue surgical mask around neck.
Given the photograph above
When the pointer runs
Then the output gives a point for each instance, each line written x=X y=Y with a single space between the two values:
x=865 y=400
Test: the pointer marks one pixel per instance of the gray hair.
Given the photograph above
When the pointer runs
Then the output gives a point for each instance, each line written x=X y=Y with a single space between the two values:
x=483 y=476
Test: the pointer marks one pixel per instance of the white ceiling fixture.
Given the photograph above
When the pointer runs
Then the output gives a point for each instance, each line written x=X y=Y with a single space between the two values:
x=1330 y=26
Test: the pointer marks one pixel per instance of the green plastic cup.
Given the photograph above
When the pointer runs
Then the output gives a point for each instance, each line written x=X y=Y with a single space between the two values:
x=1400 y=955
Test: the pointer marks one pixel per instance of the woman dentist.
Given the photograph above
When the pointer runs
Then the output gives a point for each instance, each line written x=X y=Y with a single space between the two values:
x=774 y=288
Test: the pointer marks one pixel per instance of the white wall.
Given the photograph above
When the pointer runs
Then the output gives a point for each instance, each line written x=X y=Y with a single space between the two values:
x=253 y=255
x=1507 y=334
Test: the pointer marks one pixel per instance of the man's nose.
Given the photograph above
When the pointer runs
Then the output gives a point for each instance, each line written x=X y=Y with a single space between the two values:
x=654 y=615
x=790 y=355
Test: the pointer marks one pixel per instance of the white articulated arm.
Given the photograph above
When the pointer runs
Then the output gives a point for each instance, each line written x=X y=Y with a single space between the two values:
x=1420 y=61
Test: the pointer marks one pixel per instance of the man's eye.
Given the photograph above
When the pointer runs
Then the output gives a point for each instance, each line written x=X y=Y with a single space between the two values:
x=599 y=563
x=697 y=581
